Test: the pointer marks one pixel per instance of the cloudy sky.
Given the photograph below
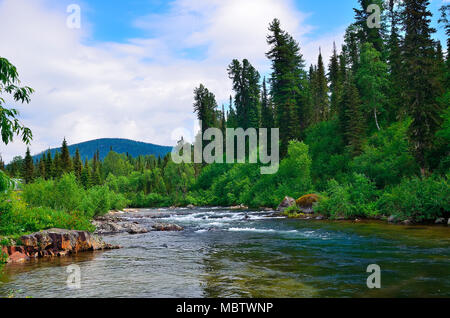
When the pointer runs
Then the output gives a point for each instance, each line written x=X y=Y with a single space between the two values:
x=130 y=70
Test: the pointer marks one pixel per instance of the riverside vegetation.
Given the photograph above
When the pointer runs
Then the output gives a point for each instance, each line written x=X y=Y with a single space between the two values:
x=370 y=137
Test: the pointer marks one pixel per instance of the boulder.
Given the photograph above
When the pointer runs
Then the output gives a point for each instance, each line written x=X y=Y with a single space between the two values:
x=107 y=227
x=440 y=221
x=167 y=227
x=239 y=207
x=55 y=242
x=286 y=203
x=392 y=219
x=406 y=222
x=448 y=223
x=191 y=206
x=133 y=228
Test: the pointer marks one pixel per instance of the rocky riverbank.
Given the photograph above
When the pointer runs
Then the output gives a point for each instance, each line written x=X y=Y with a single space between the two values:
x=54 y=243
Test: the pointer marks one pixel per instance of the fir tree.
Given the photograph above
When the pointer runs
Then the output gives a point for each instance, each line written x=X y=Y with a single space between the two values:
x=66 y=162
x=77 y=165
x=85 y=177
x=422 y=85
x=28 y=167
x=245 y=80
x=320 y=90
x=286 y=83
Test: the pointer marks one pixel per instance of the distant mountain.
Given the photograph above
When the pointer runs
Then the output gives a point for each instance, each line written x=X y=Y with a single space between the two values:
x=134 y=148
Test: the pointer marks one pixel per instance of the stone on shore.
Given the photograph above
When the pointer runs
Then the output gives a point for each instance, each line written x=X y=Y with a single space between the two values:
x=55 y=242
x=286 y=203
x=440 y=221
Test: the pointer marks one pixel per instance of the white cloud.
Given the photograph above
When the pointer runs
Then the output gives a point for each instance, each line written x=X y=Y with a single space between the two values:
x=141 y=89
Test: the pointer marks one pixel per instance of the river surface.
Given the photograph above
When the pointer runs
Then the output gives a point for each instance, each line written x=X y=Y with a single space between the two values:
x=222 y=253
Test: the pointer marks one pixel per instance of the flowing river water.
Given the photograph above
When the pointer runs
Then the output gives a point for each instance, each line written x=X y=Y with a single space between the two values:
x=223 y=253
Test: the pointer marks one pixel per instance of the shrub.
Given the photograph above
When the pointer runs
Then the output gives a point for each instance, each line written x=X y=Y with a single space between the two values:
x=386 y=158
x=418 y=199
x=353 y=198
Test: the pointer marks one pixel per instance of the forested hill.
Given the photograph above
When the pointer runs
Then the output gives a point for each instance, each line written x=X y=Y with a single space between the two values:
x=134 y=148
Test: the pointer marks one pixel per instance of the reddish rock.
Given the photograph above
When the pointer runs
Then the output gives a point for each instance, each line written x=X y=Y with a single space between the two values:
x=167 y=227
x=55 y=242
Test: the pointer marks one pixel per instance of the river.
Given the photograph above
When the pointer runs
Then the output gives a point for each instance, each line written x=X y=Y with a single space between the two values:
x=222 y=253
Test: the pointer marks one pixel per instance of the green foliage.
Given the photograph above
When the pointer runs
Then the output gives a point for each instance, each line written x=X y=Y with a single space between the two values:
x=418 y=199
x=9 y=123
x=386 y=157
x=326 y=147
x=353 y=198
x=67 y=195
x=16 y=217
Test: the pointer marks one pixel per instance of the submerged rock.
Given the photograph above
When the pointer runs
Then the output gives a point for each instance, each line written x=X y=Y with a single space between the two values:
x=167 y=227
x=55 y=242
x=286 y=203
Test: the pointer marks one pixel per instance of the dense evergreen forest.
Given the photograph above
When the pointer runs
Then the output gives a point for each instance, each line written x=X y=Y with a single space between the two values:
x=367 y=131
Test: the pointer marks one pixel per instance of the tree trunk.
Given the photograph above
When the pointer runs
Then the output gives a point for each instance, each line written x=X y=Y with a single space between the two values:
x=376 y=119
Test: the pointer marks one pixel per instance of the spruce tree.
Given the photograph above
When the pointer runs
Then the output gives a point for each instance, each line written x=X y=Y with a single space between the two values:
x=422 y=85
x=333 y=78
x=353 y=118
x=245 y=80
x=28 y=167
x=77 y=165
x=287 y=80
x=49 y=166
x=321 y=91
x=86 y=175
x=66 y=161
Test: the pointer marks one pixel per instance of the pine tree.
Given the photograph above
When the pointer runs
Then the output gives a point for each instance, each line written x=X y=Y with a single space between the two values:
x=49 y=166
x=77 y=165
x=320 y=90
x=205 y=107
x=354 y=130
x=28 y=167
x=57 y=166
x=66 y=162
x=85 y=177
x=365 y=33
x=267 y=120
x=395 y=90
x=41 y=168
x=422 y=85
x=245 y=80
x=287 y=80
x=333 y=78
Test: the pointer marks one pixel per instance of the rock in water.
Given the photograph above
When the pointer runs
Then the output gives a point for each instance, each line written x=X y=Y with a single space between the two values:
x=136 y=229
x=286 y=203
x=55 y=242
x=440 y=221
x=167 y=227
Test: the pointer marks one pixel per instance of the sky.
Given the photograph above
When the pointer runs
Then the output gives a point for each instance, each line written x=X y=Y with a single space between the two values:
x=130 y=69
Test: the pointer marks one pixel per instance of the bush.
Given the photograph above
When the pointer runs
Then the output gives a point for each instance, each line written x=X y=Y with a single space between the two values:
x=67 y=195
x=418 y=199
x=353 y=198
x=17 y=218
x=386 y=158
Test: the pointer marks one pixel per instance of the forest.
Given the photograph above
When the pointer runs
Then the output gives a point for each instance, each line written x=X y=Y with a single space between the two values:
x=367 y=131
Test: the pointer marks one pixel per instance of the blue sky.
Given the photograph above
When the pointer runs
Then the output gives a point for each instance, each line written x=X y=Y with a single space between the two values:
x=130 y=70
x=115 y=20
